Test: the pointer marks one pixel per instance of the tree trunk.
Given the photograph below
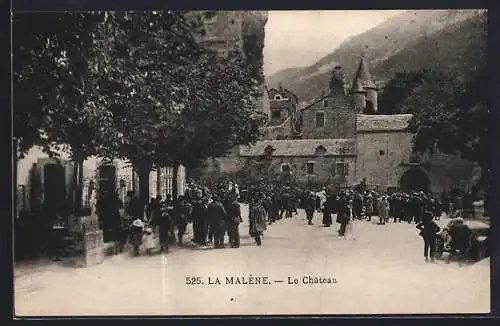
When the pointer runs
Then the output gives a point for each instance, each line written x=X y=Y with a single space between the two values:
x=79 y=188
x=143 y=173
x=175 y=170
x=74 y=187
x=158 y=183
x=133 y=180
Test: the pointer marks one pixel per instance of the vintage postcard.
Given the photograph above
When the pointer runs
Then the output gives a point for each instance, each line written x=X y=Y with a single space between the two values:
x=174 y=163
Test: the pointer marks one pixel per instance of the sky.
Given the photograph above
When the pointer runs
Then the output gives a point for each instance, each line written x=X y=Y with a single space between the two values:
x=300 y=38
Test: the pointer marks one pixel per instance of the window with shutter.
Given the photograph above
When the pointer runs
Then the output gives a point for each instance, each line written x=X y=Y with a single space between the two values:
x=342 y=170
x=310 y=168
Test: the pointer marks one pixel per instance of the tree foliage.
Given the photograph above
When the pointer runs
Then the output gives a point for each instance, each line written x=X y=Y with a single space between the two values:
x=140 y=74
x=453 y=115
x=218 y=112
x=51 y=81
x=137 y=86
x=53 y=85
x=162 y=99
x=397 y=90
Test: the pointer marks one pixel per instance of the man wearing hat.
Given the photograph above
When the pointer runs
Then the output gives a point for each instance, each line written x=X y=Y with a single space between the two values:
x=369 y=206
x=429 y=230
x=309 y=206
x=233 y=221
x=216 y=216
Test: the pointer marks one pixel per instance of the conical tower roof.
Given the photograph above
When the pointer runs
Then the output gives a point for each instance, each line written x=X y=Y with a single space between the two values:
x=357 y=87
x=363 y=77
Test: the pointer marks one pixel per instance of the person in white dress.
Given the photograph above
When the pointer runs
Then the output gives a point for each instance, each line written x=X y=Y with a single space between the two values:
x=149 y=240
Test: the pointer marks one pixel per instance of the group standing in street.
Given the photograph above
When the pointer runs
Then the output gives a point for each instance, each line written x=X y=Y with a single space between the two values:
x=215 y=214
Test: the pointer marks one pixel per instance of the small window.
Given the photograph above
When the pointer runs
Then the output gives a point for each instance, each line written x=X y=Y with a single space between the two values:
x=325 y=103
x=285 y=168
x=342 y=170
x=277 y=97
x=320 y=150
x=276 y=114
x=381 y=153
x=310 y=168
x=320 y=119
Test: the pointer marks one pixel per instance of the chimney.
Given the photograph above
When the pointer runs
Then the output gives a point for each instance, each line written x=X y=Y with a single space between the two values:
x=337 y=81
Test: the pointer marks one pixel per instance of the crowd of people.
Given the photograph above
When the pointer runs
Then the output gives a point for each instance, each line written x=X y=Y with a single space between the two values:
x=216 y=213
x=213 y=213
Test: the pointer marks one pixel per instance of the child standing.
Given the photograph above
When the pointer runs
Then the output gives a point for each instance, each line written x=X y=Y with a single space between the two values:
x=149 y=240
x=136 y=232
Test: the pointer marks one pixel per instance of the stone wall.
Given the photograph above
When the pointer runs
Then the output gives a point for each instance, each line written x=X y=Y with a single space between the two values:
x=282 y=131
x=324 y=170
x=228 y=164
x=340 y=120
x=380 y=155
x=242 y=30
x=451 y=172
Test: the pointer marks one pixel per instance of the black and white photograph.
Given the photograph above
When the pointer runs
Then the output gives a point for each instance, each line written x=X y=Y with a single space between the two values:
x=237 y=163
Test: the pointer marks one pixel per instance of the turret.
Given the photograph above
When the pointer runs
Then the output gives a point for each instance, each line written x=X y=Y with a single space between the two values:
x=358 y=97
x=364 y=80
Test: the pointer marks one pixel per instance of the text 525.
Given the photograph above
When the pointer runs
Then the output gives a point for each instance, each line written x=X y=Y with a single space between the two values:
x=193 y=280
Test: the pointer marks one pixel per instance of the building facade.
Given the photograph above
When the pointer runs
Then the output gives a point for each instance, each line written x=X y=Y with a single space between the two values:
x=340 y=139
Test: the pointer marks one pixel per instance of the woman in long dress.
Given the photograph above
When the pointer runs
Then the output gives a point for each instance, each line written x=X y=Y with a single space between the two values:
x=349 y=230
x=383 y=209
x=327 y=211
x=257 y=220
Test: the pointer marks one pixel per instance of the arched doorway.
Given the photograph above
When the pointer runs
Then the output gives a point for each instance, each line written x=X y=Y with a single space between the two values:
x=415 y=180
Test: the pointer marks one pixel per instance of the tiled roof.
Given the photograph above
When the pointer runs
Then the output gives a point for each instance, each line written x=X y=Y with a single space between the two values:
x=393 y=122
x=301 y=147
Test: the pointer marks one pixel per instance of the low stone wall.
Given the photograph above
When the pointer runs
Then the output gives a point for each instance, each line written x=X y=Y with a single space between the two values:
x=89 y=245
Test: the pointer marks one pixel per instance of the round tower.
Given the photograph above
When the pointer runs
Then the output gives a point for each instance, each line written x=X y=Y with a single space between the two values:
x=358 y=97
x=364 y=80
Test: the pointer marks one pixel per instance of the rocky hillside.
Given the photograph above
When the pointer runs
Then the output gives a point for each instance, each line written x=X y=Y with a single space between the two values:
x=414 y=39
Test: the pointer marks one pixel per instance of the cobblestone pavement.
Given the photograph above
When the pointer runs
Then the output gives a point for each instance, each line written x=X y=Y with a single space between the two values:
x=378 y=270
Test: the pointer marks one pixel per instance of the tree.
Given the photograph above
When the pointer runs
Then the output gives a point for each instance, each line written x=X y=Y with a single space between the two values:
x=140 y=73
x=453 y=117
x=219 y=111
x=52 y=86
x=169 y=100
x=398 y=90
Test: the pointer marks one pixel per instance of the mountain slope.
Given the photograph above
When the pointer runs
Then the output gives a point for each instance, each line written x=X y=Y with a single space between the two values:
x=379 y=44
x=457 y=49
